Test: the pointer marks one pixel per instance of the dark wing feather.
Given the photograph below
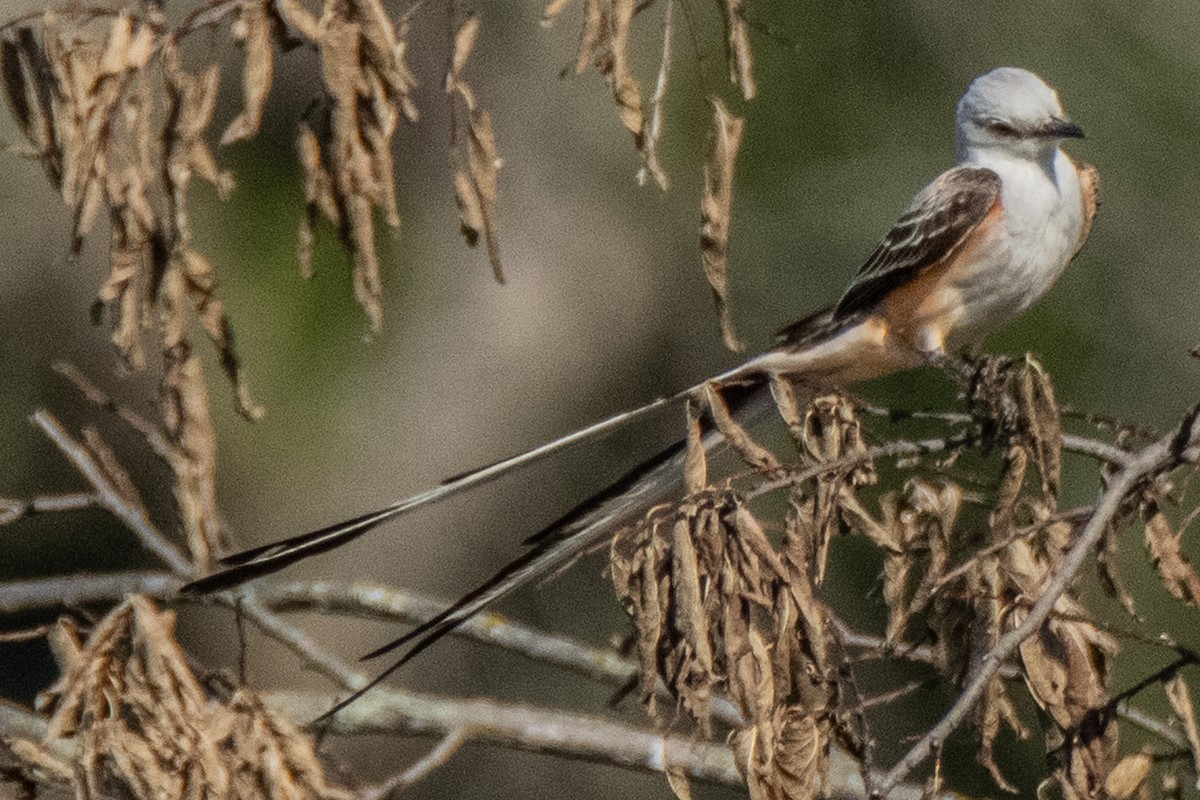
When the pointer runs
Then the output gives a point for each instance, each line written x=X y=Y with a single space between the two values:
x=935 y=225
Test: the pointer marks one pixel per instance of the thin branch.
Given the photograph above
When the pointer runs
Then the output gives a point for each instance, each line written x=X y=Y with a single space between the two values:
x=1154 y=725
x=12 y=509
x=97 y=396
x=83 y=589
x=896 y=449
x=523 y=727
x=1166 y=453
x=110 y=497
x=389 y=710
x=135 y=518
x=384 y=602
x=894 y=695
x=360 y=598
x=1079 y=445
x=1082 y=512
x=442 y=752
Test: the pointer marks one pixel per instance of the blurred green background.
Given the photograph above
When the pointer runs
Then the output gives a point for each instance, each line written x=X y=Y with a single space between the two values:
x=605 y=307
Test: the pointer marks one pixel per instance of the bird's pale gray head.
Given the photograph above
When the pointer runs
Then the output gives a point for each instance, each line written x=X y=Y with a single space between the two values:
x=1012 y=110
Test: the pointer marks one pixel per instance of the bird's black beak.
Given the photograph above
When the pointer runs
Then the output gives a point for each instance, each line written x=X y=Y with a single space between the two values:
x=1058 y=128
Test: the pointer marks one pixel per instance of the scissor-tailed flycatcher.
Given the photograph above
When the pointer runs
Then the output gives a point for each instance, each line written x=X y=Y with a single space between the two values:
x=976 y=247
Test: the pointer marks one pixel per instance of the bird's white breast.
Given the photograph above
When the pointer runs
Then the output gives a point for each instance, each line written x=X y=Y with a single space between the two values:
x=1026 y=249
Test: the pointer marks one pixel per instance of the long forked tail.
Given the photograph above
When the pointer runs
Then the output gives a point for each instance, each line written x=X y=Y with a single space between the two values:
x=561 y=542
x=585 y=526
x=266 y=559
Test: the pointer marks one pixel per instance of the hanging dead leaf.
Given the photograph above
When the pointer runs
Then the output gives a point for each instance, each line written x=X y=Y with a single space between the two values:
x=1173 y=565
x=256 y=30
x=1039 y=416
x=30 y=90
x=737 y=48
x=552 y=10
x=785 y=757
x=755 y=454
x=996 y=712
x=1180 y=698
x=261 y=749
x=725 y=139
x=604 y=45
x=695 y=466
x=473 y=144
x=1128 y=776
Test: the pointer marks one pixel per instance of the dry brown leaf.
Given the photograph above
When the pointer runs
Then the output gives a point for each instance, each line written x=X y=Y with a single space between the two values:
x=255 y=30
x=1066 y=669
x=474 y=150
x=1039 y=414
x=832 y=431
x=695 y=464
x=135 y=711
x=604 y=44
x=125 y=48
x=464 y=42
x=201 y=287
x=1173 y=565
x=187 y=420
x=725 y=139
x=755 y=454
x=385 y=47
x=997 y=711
x=1180 y=698
x=1128 y=776
x=319 y=196
x=369 y=87
x=299 y=19
x=737 y=48
x=785 y=757
x=677 y=779
x=262 y=750
x=552 y=10
x=1108 y=566
x=787 y=402
x=30 y=91
x=696 y=682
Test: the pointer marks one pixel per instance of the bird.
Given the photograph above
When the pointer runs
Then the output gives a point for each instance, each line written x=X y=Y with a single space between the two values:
x=975 y=248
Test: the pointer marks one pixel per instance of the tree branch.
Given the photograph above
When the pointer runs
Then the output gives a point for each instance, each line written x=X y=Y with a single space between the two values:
x=1168 y=452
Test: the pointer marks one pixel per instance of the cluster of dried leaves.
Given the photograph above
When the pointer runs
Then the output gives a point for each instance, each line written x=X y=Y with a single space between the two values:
x=723 y=609
x=129 y=719
x=604 y=45
x=121 y=126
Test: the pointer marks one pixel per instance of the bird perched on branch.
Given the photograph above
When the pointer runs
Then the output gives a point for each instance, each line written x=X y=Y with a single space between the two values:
x=975 y=248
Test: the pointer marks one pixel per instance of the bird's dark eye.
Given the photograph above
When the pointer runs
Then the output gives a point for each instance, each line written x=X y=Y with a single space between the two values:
x=1000 y=128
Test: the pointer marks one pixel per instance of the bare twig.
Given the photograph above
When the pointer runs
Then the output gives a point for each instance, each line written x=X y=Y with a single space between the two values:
x=384 y=602
x=1081 y=513
x=896 y=449
x=1079 y=445
x=110 y=497
x=12 y=509
x=79 y=590
x=94 y=394
x=390 y=710
x=442 y=752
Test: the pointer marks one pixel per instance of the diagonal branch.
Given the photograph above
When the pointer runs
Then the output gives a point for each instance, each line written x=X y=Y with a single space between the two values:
x=1165 y=454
